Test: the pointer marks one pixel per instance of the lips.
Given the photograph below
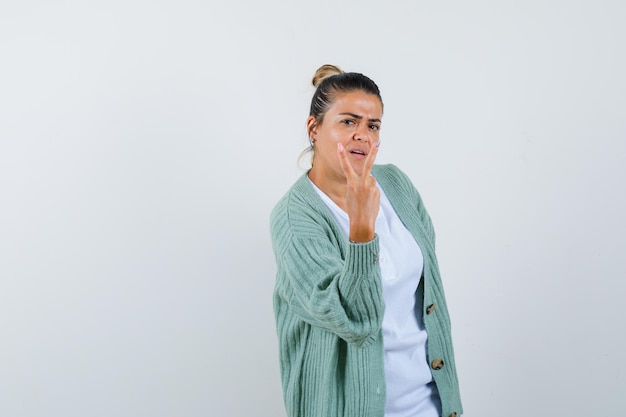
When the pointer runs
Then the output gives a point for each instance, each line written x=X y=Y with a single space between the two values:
x=357 y=150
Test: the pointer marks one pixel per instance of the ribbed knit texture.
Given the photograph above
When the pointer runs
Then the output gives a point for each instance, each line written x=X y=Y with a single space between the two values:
x=329 y=307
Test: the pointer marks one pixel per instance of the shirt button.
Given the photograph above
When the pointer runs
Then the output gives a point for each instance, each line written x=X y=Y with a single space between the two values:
x=437 y=364
x=430 y=309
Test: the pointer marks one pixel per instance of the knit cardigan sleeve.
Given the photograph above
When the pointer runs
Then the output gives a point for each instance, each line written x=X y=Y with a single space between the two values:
x=326 y=281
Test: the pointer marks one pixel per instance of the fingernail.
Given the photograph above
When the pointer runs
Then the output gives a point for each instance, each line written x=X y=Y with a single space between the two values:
x=340 y=146
x=377 y=144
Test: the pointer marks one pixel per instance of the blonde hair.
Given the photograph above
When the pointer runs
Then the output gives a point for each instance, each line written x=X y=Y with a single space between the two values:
x=324 y=72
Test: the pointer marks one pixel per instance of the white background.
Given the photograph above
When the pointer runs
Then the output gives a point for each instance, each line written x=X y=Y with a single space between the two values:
x=143 y=145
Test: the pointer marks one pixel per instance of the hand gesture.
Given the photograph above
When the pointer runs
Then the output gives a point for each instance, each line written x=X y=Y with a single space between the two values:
x=362 y=196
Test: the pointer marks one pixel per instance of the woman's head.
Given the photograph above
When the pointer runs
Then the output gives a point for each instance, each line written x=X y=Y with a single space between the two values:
x=346 y=110
x=329 y=81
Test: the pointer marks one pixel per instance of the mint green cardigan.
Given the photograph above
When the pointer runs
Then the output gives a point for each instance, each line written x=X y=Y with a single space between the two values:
x=329 y=308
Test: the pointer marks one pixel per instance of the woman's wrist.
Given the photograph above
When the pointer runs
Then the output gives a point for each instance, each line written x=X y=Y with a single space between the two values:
x=361 y=236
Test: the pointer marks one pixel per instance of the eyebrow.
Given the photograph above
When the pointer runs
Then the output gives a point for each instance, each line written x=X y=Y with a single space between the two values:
x=356 y=116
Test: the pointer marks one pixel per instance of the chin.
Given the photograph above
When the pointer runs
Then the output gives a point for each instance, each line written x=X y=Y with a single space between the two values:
x=358 y=168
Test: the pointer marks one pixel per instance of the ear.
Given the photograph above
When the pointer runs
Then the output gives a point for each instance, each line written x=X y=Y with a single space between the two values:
x=311 y=126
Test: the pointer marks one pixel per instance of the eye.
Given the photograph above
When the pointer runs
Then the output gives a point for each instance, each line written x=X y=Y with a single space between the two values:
x=375 y=128
x=347 y=122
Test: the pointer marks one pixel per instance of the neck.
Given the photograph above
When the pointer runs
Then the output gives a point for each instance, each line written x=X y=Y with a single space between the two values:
x=333 y=186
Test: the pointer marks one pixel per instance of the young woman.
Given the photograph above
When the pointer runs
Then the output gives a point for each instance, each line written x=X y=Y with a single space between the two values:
x=361 y=317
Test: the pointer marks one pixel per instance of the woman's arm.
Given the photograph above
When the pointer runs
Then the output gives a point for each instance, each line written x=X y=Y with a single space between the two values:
x=329 y=284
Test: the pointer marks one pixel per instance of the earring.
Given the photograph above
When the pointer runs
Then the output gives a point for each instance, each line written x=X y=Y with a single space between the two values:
x=312 y=141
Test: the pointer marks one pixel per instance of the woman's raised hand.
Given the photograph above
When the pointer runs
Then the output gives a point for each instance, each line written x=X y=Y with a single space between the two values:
x=362 y=196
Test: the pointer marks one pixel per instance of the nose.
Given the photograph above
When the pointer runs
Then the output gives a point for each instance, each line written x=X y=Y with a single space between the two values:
x=362 y=134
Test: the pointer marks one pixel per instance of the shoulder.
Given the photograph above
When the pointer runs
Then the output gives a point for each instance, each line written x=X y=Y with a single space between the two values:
x=403 y=195
x=390 y=176
x=293 y=203
x=299 y=212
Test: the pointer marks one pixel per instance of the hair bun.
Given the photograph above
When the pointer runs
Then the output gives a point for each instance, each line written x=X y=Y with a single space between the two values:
x=324 y=72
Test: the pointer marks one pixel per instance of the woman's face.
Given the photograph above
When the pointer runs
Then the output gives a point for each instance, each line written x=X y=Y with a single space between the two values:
x=354 y=121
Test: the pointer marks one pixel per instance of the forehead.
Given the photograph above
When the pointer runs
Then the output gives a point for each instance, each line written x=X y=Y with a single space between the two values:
x=357 y=102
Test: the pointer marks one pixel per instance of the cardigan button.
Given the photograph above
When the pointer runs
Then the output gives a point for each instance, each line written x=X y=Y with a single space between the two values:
x=437 y=364
x=453 y=414
x=430 y=309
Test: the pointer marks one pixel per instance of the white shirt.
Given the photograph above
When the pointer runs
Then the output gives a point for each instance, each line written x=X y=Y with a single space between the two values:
x=411 y=391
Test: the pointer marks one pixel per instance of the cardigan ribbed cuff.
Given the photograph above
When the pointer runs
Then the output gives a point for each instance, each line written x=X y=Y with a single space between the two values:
x=361 y=264
x=362 y=257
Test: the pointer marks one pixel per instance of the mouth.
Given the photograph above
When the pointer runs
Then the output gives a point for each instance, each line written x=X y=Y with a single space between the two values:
x=358 y=152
